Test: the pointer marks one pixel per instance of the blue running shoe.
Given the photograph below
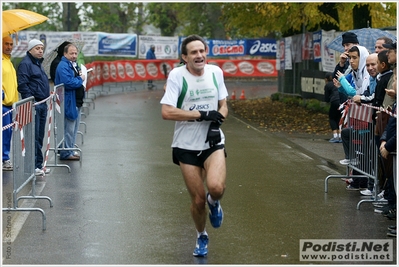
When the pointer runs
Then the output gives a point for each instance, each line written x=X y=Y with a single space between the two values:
x=201 y=248
x=215 y=213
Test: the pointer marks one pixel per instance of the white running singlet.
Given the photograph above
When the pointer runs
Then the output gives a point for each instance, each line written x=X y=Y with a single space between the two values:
x=189 y=92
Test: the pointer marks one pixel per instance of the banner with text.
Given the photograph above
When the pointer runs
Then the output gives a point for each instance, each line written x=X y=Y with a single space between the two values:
x=165 y=47
x=142 y=70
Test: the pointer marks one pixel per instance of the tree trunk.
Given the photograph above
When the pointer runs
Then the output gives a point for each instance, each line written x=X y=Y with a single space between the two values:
x=71 y=20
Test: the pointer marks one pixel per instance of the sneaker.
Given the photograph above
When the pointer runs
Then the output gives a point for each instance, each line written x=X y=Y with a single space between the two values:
x=339 y=140
x=381 y=195
x=384 y=210
x=215 y=213
x=201 y=247
x=46 y=170
x=366 y=192
x=392 y=233
x=391 y=215
x=344 y=161
x=39 y=172
x=7 y=165
x=334 y=140
x=352 y=188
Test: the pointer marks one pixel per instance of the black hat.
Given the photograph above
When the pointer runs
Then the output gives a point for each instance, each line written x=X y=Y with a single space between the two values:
x=390 y=46
x=349 y=37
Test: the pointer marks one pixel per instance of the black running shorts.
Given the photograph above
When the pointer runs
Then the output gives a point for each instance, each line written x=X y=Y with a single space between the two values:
x=194 y=157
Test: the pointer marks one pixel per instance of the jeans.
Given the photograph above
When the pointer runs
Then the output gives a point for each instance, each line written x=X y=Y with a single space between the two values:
x=40 y=126
x=71 y=128
x=7 y=133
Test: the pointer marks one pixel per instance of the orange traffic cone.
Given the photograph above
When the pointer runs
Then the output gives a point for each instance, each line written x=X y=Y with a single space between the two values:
x=242 y=96
x=233 y=95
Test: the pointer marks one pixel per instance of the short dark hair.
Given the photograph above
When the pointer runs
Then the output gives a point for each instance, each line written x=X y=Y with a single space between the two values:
x=329 y=76
x=354 y=49
x=383 y=58
x=387 y=40
x=190 y=39
x=66 y=48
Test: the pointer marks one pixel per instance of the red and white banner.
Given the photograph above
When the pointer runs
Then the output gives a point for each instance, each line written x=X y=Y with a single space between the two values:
x=142 y=70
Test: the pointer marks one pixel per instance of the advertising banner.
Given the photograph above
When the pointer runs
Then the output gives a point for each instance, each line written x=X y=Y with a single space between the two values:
x=165 y=47
x=142 y=70
x=227 y=48
x=261 y=47
x=317 y=46
x=287 y=53
x=307 y=46
x=51 y=40
x=117 y=44
x=328 y=55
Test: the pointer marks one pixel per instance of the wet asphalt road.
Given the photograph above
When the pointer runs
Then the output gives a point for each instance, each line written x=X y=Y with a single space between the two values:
x=127 y=203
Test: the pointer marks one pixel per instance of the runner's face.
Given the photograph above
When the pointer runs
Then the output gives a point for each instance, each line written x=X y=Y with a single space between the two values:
x=195 y=58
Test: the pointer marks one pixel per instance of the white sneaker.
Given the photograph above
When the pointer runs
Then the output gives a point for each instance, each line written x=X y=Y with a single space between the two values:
x=46 y=170
x=7 y=165
x=366 y=192
x=344 y=161
x=39 y=172
x=381 y=195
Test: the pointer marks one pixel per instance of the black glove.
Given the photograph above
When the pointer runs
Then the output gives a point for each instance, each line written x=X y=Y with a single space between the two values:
x=213 y=134
x=211 y=115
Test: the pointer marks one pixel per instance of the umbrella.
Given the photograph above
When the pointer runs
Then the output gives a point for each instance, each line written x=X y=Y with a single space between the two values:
x=15 y=20
x=366 y=37
x=59 y=51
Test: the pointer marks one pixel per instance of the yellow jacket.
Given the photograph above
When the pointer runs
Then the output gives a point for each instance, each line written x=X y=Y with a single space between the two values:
x=8 y=81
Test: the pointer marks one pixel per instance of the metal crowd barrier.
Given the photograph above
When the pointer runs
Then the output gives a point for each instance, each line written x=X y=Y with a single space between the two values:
x=363 y=150
x=23 y=156
x=58 y=99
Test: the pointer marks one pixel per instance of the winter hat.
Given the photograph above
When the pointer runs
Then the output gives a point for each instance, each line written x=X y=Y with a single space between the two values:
x=34 y=42
x=349 y=37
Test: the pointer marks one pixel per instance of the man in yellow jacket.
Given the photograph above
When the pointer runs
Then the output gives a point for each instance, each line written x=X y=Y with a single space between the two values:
x=9 y=97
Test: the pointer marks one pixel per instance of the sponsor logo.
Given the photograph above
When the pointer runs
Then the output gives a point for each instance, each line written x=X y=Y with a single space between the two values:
x=246 y=67
x=167 y=49
x=129 y=70
x=265 y=67
x=192 y=107
x=140 y=69
x=229 y=67
x=258 y=46
x=105 y=71
x=113 y=70
x=152 y=69
x=121 y=71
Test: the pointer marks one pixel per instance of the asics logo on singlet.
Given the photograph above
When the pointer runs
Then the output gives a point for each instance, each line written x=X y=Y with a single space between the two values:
x=199 y=107
x=203 y=107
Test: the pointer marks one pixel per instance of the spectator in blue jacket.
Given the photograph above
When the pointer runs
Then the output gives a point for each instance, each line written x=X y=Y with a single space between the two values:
x=150 y=55
x=33 y=81
x=69 y=74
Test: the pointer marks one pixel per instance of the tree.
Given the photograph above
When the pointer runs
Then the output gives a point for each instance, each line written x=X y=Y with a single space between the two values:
x=72 y=21
x=164 y=17
x=261 y=19
x=112 y=17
